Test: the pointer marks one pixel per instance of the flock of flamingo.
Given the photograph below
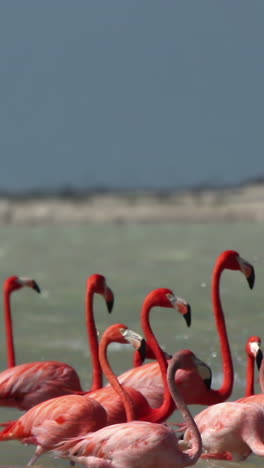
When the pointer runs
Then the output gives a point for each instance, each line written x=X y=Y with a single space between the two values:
x=123 y=424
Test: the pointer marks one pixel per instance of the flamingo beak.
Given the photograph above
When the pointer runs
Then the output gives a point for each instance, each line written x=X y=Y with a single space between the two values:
x=185 y=309
x=204 y=371
x=182 y=306
x=136 y=340
x=259 y=357
x=30 y=283
x=142 y=349
x=36 y=287
x=109 y=298
x=166 y=355
x=251 y=278
x=248 y=271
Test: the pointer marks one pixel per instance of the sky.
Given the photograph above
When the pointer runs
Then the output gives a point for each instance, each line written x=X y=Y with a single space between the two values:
x=130 y=93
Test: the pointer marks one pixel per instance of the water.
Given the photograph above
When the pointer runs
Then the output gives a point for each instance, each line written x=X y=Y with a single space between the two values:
x=134 y=259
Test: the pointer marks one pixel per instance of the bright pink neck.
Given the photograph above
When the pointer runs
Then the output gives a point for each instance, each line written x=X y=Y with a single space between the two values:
x=113 y=380
x=217 y=396
x=167 y=407
x=97 y=379
x=250 y=376
x=10 y=349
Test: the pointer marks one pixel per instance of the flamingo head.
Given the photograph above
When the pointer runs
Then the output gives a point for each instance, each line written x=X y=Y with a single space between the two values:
x=13 y=283
x=231 y=260
x=187 y=360
x=163 y=297
x=97 y=284
x=253 y=349
x=120 y=333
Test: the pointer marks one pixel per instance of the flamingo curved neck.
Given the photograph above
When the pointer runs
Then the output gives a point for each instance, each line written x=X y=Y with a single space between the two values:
x=167 y=406
x=10 y=349
x=113 y=380
x=193 y=454
x=250 y=390
x=97 y=379
x=226 y=389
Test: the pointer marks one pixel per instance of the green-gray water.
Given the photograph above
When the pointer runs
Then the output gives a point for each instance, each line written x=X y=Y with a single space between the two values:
x=134 y=259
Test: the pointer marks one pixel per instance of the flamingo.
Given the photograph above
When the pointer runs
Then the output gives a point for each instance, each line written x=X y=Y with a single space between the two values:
x=26 y=385
x=231 y=430
x=139 y=444
x=11 y=284
x=161 y=297
x=254 y=353
x=148 y=379
x=258 y=398
x=47 y=423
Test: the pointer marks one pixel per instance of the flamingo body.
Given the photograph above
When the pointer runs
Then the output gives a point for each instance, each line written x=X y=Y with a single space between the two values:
x=134 y=444
x=138 y=444
x=114 y=406
x=230 y=431
x=45 y=424
x=26 y=385
x=147 y=379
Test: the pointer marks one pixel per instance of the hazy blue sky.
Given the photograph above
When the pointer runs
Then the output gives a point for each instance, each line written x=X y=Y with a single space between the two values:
x=130 y=93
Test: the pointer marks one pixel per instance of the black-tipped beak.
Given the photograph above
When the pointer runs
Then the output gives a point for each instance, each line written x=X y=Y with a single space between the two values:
x=251 y=278
x=259 y=357
x=109 y=298
x=36 y=287
x=205 y=372
x=143 y=350
x=188 y=316
x=110 y=305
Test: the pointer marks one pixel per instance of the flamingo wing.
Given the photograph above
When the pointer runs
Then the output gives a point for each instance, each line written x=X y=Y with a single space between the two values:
x=47 y=423
x=133 y=444
x=26 y=385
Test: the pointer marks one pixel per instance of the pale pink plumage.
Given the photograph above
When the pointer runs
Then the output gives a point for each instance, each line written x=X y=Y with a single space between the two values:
x=230 y=431
x=234 y=430
x=138 y=444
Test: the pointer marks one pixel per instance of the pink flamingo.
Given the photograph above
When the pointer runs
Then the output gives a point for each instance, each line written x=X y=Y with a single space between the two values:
x=47 y=423
x=148 y=379
x=161 y=297
x=258 y=398
x=137 y=443
x=11 y=284
x=254 y=354
x=231 y=431
x=26 y=385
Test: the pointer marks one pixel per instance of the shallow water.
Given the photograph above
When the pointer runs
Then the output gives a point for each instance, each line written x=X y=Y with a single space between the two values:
x=134 y=259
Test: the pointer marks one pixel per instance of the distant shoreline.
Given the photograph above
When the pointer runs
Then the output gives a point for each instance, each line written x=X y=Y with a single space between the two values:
x=205 y=205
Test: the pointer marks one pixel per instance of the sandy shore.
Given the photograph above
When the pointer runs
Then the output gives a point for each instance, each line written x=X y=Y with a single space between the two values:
x=239 y=204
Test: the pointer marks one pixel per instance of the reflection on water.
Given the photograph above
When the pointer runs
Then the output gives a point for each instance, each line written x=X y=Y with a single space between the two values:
x=135 y=259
